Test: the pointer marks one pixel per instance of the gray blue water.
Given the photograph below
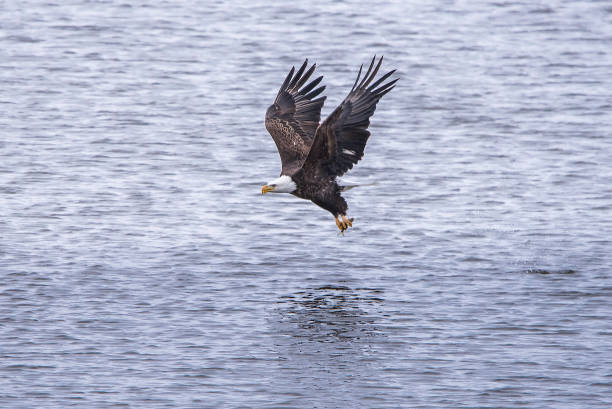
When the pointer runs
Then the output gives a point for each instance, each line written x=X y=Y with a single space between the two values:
x=141 y=267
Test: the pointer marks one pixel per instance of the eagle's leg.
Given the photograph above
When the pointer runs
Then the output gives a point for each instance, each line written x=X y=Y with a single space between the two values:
x=340 y=225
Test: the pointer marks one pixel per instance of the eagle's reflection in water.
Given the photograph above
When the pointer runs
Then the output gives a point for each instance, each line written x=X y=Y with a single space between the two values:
x=326 y=340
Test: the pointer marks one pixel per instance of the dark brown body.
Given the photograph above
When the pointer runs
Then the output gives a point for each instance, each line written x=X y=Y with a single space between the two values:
x=324 y=193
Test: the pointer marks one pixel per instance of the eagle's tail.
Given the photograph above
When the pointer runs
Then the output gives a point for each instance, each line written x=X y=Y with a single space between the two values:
x=349 y=187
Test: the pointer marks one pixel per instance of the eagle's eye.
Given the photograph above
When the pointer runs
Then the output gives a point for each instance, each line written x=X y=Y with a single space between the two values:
x=273 y=185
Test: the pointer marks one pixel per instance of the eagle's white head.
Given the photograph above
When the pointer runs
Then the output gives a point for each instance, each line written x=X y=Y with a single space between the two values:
x=283 y=184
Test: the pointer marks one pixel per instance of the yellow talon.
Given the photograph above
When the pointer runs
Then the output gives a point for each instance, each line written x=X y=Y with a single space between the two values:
x=347 y=221
x=344 y=224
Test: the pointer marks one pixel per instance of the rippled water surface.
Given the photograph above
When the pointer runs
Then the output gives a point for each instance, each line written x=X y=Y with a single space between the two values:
x=140 y=266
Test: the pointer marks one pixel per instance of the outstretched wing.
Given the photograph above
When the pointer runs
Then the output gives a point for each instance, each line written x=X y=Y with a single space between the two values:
x=293 y=118
x=341 y=139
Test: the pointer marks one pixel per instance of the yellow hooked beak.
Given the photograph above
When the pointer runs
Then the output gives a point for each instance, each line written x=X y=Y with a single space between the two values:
x=265 y=189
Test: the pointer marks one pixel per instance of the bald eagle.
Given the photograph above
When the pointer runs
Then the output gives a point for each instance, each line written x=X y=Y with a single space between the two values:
x=312 y=154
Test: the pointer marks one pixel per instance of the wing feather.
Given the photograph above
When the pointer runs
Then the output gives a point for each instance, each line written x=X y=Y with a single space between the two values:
x=294 y=117
x=341 y=139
